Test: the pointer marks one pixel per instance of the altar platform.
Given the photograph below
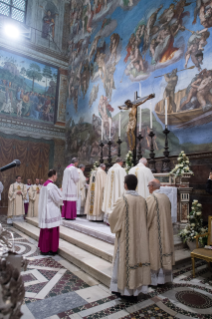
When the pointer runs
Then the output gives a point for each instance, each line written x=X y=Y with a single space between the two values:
x=95 y=229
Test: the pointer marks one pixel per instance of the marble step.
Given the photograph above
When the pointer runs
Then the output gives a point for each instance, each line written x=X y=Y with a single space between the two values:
x=96 y=267
x=90 y=244
x=93 y=265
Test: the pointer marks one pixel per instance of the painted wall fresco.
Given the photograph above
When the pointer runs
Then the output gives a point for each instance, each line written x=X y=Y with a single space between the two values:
x=118 y=47
x=28 y=89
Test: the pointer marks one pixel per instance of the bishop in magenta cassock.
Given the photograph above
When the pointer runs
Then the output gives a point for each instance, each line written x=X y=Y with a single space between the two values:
x=49 y=215
x=161 y=239
x=69 y=187
x=131 y=270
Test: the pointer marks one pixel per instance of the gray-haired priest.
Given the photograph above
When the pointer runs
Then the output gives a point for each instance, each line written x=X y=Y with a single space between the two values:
x=81 y=190
x=131 y=270
x=161 y=240
x=93 y=207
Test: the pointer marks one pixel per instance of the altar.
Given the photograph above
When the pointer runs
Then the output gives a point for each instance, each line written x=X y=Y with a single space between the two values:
x=171 y=193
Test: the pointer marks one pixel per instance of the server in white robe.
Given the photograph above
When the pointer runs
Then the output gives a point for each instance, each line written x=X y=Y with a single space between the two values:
x=114 y=188
x=81 y=190
x=49 y=215
x=144 y=176
x=69 y=186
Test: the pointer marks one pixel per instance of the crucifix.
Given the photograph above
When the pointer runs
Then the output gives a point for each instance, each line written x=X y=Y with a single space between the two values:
x=132 y=124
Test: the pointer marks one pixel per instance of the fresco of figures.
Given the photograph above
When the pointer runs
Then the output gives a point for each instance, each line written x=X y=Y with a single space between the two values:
x=118 y=47
x=28 y=89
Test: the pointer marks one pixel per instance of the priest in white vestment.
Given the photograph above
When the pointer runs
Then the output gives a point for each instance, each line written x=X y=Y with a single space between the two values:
x=161 y=239
x=144 y=176
x=41 y=182
x=69 y=187
x=93 y=207
x=131 y=265
x=26 y=201
x=34 y=194
x=81 y=190
x=114 y=188
x=50 y=200
x=1 y=189
x=16 y=196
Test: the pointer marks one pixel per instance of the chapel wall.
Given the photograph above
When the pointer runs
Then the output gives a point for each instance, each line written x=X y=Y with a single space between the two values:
x=118 y=47
x=33 y=90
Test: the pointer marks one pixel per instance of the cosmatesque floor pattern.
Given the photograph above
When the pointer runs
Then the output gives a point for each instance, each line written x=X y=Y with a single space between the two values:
x=57 y=289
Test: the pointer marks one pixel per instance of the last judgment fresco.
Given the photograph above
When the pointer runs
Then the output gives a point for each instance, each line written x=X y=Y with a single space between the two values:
x=118 y=47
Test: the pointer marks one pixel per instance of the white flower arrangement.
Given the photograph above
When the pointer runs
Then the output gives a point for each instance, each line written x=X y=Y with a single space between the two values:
x=129 y=161
x=194 y=226
x=183 y=166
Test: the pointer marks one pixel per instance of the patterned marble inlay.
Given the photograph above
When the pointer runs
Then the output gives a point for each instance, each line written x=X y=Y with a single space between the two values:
x=28 y=277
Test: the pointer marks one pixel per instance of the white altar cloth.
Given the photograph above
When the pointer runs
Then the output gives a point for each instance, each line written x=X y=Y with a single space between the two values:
x=171 y=192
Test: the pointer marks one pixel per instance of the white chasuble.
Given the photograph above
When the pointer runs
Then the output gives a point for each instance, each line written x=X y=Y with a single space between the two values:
x=81 y=186
x=144 y=176
x=34 y=194
x=93 y=207
x=161 y=239
x=15 y=201
x=50 y=200
x=114 y=189
x=69 y=185
x=131 y=270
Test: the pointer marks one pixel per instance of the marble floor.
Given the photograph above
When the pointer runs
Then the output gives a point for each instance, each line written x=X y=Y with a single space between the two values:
x=57 y=289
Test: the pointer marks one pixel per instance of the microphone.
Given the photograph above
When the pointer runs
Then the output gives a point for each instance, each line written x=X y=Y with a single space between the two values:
x=15 y=163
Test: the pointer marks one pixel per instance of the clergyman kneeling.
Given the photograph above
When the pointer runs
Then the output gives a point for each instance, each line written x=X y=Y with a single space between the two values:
x=161 y=240
x=131 y=269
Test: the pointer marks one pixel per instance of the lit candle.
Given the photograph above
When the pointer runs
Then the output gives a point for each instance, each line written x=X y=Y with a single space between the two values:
x=120 y=124
x=102 y=131
x=150 y=115
x=109 y=128
x=166 y=115
x=140 y=119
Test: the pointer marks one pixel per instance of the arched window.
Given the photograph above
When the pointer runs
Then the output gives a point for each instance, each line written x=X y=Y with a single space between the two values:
x=15 y=9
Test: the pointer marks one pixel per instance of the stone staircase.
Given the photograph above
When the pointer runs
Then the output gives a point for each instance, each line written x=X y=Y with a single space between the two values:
x=92 y=255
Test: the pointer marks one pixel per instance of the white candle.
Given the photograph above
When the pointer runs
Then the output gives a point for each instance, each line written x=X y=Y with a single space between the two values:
x=166 y=115
x=140 y=119
x=150 y=115
x=102 y=131
x=120 y=124
x=109 y=128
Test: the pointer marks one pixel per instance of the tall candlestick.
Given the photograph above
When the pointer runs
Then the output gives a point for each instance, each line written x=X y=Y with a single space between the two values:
x=166 y=108
x=119 y=124
x=102 y=131
x=151 y=115
x=109 y=128
x=140 y=119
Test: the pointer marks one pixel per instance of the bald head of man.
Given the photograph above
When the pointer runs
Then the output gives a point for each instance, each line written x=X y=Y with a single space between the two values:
x=154 y=185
